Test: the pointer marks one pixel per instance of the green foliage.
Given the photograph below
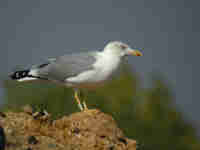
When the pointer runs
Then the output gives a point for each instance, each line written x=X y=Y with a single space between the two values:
x=147 y=115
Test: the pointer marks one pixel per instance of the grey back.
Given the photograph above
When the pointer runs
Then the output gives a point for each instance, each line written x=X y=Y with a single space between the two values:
x=67 y=66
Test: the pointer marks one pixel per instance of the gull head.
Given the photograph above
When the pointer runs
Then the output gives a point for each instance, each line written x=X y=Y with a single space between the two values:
x=121 y=49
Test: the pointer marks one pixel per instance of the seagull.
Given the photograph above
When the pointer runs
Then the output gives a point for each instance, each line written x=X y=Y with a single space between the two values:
x=80 y=70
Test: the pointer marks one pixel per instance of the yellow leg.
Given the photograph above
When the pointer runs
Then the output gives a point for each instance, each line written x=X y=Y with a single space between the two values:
x=78 y=100
x=85 y=106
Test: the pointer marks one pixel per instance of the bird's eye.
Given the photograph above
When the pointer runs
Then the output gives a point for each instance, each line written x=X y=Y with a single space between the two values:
x=123 y=46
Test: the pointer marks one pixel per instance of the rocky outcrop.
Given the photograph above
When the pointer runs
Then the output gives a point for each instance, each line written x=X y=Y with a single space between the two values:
x=88 y=130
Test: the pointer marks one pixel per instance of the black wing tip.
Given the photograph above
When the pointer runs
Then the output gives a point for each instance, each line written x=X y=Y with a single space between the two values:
x=19 y=74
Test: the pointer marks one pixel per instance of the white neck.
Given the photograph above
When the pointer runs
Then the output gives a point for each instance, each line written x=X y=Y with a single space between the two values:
x=111 y=60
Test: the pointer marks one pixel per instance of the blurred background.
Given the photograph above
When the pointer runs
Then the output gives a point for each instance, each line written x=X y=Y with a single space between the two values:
x=154 y=99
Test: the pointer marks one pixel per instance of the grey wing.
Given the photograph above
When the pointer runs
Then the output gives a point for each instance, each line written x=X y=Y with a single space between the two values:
x=67 y=66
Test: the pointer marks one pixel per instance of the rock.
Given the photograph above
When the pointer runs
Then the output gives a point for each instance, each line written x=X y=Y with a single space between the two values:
x=52 y=146
x=2 y=115
x=2 y=139
x=28 y=109
x=88 y=130
x=32 y=140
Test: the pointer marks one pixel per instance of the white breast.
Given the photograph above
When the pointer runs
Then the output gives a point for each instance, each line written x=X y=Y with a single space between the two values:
x=106 y=65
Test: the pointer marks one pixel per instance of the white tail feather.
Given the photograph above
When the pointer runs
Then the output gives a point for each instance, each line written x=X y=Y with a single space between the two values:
x=26 y=79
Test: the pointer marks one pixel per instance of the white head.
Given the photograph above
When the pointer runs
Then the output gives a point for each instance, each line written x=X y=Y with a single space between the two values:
x=121 y=49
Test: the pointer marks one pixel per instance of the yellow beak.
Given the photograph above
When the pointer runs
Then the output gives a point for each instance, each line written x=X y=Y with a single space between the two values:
x=135 y=52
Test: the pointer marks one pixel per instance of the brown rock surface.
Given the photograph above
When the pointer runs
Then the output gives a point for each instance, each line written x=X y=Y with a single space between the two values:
x=89 y=130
